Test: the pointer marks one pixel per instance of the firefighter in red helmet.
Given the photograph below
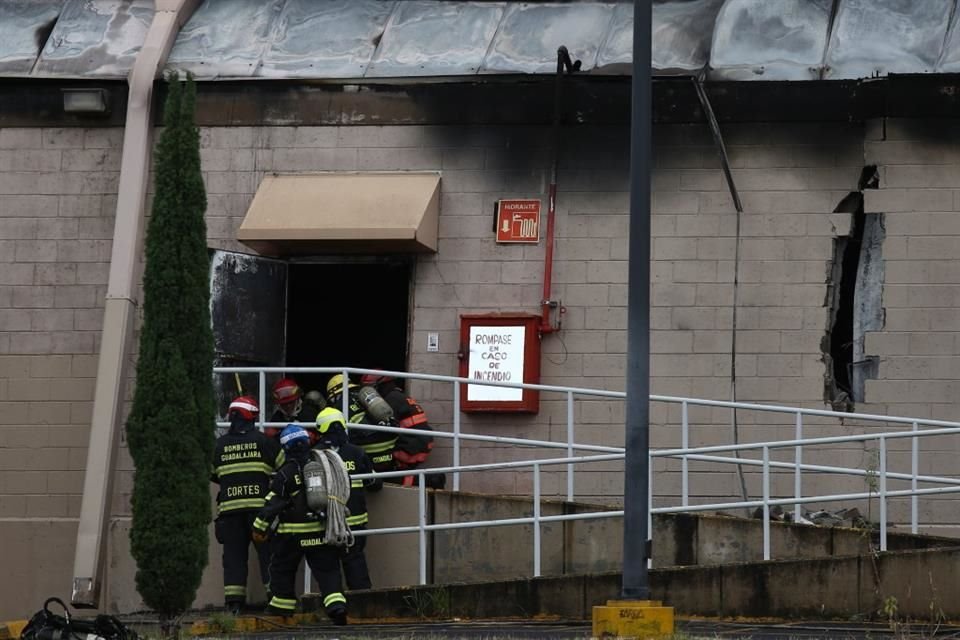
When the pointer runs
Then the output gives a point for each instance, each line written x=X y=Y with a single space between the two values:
x=243 y=460
x=292 y=405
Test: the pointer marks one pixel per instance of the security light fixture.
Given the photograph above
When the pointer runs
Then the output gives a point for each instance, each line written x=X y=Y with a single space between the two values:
x=88 y=101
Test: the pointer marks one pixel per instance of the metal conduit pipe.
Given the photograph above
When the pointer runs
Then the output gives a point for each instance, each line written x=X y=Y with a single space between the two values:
x=121 y=302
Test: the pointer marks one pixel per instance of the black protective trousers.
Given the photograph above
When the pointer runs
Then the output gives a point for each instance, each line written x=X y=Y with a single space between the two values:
x=354 y=562
x=324 y=562
x=233 y=532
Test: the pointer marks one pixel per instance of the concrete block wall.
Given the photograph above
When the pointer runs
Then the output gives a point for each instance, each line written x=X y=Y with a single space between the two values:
x=790 y=178
x=918 y=164
x=919 y=345
x=57 y=203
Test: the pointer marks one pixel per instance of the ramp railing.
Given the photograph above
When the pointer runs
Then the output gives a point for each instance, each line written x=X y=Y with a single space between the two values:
x=879 y=476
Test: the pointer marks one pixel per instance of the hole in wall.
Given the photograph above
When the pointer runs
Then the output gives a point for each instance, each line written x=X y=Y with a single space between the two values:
x=855 y=287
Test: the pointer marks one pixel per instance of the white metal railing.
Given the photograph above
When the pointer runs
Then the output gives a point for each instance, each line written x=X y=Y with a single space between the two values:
x=457 y=435
x=953 y=484
x=685 y=453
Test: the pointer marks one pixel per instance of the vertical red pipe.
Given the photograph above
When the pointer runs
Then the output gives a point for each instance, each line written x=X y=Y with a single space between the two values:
x=547 y=304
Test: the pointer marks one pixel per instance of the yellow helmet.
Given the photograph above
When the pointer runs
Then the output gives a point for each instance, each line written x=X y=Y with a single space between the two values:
x=329 y=417
x=332 y=428
x=335 y=385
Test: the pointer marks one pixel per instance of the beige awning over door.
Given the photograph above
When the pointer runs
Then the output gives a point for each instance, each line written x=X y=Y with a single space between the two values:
x=343 y=213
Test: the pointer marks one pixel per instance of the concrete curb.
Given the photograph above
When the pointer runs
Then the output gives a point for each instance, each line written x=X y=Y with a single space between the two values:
x=11 y=630
x=251 y=624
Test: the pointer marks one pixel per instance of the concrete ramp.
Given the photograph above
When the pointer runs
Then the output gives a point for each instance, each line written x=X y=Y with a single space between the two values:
x=585 y=546
x=925 y=584
x=707 y=565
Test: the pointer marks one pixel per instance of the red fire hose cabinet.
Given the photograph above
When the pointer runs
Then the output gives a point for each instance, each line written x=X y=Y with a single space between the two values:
x=500 y=348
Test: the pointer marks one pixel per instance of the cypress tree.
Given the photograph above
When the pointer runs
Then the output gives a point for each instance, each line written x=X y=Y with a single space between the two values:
x=170 y=430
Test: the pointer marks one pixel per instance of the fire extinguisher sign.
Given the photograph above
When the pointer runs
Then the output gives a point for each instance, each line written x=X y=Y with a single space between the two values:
x=518 y=221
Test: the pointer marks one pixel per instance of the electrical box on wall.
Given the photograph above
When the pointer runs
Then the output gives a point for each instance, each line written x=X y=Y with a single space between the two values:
x=500 y=348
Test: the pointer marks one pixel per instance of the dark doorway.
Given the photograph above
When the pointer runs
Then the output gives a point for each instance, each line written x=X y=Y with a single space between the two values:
x=347 y=315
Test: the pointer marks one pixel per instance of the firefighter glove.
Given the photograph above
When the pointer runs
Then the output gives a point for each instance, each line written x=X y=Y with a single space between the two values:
x=260 y=537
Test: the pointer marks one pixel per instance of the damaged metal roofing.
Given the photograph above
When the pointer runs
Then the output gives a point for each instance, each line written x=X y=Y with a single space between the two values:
x=738 y=40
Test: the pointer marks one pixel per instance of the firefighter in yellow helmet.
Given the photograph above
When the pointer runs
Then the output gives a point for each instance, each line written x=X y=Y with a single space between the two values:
x=331 y=433
x=378 y=445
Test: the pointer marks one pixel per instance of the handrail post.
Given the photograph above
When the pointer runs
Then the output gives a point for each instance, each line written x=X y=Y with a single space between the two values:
x=650 y=503
x=570 y=445
x=345 y=394
x=798 y=459
x=536 y=520
x=883 y=494
x=456 y=435
x=422 y=524
x=262 y=382
x=766 y=502
x=684 y=461
x=914 y=471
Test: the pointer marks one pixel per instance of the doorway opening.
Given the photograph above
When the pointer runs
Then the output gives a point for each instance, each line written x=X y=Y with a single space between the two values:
x=347 y=315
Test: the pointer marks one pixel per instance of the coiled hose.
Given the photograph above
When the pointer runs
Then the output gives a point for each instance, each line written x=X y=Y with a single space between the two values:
x=337 y=482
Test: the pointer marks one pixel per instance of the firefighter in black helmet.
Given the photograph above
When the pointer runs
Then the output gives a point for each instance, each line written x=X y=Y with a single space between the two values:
x=331 y=433
x=377 y=444
x=243 y=460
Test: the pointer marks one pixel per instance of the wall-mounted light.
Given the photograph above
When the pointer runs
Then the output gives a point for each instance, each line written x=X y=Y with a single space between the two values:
x=85 y=101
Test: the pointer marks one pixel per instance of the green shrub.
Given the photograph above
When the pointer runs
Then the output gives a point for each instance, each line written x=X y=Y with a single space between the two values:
x=170 y=430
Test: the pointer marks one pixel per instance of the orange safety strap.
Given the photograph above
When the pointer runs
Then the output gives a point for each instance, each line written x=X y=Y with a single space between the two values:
x=414 y=420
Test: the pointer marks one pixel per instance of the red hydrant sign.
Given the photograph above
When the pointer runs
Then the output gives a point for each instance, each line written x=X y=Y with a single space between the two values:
x=518 y=221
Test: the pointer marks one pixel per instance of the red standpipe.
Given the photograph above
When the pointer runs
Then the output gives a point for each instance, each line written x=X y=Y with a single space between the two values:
x=547 y=305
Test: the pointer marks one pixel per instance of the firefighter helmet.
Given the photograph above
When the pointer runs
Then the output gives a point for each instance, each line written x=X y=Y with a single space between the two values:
x=286 y=391
x=245 y=406
x=332 y=427
x=375 y=379
x=315 y=398
x=294 y=436
x=329 y=417
x=335 y=385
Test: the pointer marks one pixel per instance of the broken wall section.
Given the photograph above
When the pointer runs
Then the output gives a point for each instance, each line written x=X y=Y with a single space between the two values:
x=854 y=299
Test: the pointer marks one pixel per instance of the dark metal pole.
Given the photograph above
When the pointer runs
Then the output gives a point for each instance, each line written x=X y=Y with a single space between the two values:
x=636 y=584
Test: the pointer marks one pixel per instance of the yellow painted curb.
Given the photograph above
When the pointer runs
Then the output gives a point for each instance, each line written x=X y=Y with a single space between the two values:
x=640 y=619
x=12 y=630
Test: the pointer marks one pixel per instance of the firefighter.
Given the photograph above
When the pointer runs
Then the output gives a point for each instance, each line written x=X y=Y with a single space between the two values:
x=243 y=460
x=331 y=433
x=299 y=534
x=292 y=405
x=377 y=444
x=411 y=450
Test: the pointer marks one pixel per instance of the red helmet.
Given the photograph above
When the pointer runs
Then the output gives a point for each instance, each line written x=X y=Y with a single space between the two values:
x=374 y=379
x=246 y=406
x=286 y=391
